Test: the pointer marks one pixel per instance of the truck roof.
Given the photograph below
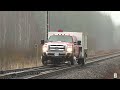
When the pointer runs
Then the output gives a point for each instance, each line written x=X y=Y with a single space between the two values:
x=78 y=35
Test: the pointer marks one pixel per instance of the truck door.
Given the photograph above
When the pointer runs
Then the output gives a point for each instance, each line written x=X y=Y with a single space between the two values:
x=76 y=47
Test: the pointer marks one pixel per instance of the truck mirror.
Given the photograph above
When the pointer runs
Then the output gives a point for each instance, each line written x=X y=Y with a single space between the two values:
x=42 y=41
x=79 y=42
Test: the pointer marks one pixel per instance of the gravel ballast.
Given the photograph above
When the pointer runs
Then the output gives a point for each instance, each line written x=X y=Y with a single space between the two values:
x=99 y=70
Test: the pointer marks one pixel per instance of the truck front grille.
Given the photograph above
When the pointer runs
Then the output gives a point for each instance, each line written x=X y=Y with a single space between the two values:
x=57 y=48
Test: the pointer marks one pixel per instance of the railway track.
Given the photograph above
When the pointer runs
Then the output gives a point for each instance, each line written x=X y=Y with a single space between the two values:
x=32 y=71
x=42 y=72
x=16 y=70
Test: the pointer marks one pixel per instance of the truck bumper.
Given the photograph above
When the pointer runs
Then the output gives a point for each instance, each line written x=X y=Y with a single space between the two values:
x=61 y=56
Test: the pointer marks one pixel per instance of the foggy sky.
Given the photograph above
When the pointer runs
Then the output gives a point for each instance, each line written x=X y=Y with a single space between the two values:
x=115 y=16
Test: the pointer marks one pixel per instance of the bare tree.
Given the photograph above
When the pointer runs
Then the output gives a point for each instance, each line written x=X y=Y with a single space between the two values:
x=4 y=38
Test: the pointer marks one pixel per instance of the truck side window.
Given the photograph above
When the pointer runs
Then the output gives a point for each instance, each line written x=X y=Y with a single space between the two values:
x=75 y=39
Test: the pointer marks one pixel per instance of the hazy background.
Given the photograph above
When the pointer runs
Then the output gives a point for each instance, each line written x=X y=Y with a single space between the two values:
x=99 y=27
x=21 y=30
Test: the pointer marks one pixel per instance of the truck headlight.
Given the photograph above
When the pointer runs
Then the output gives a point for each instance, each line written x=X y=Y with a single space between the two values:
x=69 y=49
x=45 y=48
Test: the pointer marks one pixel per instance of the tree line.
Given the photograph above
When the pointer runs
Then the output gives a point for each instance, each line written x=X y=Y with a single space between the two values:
x=21 y=30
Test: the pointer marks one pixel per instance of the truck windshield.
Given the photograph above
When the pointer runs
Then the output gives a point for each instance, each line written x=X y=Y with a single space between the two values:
x=61 y=38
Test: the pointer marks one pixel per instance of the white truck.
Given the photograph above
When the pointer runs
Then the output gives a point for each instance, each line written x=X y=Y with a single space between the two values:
x=62 y=47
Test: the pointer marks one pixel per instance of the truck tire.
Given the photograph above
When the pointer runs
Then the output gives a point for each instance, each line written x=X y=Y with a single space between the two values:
x=69 y=63
x=85 y=54
x=72 y=60
x=81 y=61
x=44 y=61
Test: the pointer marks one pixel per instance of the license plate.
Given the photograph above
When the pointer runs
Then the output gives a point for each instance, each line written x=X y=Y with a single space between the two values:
x=56 y=54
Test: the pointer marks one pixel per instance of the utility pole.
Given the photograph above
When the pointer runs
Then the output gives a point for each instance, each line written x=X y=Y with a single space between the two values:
x=47 y=23
x=47 y=28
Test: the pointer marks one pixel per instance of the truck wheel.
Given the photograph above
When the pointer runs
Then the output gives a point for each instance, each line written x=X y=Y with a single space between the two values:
x=72 y=60
x=81 y=61
x=69 y=63
x=85 y=54
x=44 y=61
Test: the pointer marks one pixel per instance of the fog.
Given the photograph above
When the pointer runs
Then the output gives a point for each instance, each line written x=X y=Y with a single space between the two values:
x=100 y=27
x=21 y=30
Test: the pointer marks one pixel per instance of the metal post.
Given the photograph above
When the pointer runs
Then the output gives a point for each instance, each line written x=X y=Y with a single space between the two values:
x=36 y=47
x=47 y=23
x=37 y=55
